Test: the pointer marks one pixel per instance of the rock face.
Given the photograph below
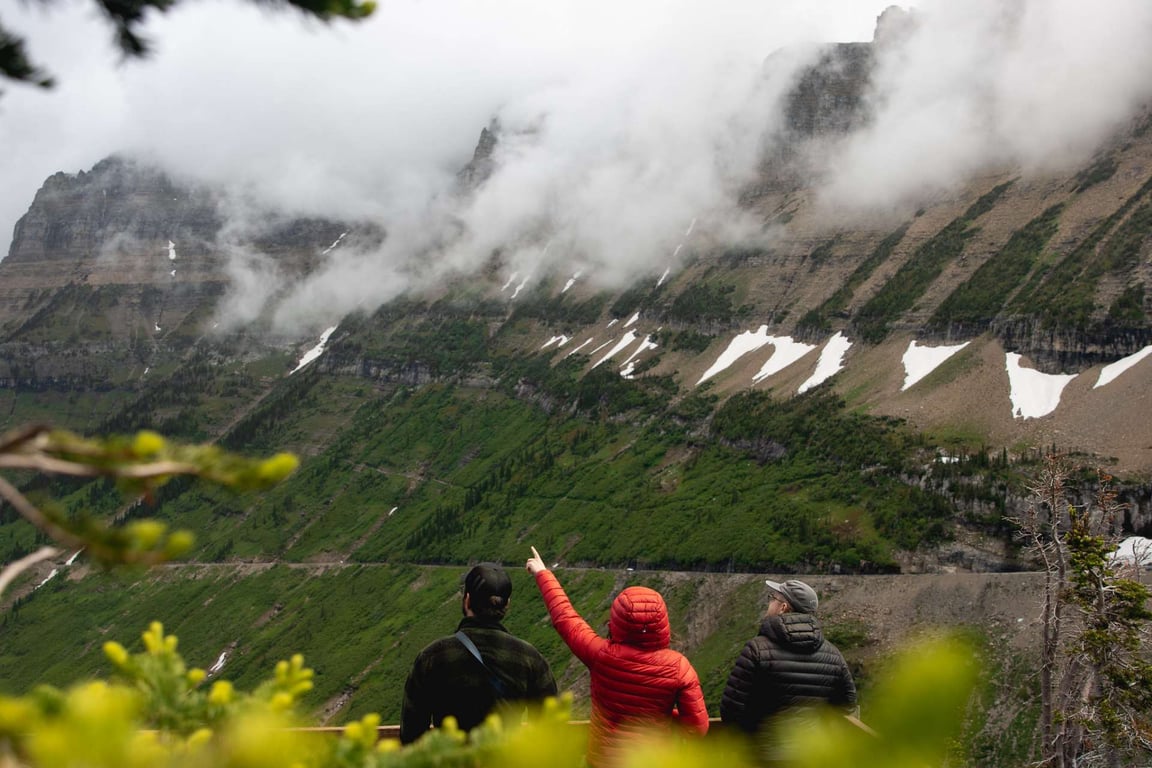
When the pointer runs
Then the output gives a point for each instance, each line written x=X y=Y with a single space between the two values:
x=829 y=98
x=130 y=225
x=104 y=224
x=477 y=171
x=119 y=268
x=122 y=264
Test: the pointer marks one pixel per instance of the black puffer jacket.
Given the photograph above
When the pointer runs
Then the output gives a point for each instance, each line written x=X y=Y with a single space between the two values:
x=789 y=664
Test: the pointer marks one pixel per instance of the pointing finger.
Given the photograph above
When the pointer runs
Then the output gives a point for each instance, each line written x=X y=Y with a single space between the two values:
x=536 y=554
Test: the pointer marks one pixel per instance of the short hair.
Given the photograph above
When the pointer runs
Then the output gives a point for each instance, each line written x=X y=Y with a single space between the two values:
x=488 y=588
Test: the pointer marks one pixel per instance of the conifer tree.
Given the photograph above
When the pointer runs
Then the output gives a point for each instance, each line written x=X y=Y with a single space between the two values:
x=1095 y=676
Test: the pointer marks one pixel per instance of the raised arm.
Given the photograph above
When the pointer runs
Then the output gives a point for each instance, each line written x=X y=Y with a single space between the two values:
x=573 y=630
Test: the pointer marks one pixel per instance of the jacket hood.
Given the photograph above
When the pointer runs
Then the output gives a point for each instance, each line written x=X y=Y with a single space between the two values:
x=640 y=618
x=799 y=631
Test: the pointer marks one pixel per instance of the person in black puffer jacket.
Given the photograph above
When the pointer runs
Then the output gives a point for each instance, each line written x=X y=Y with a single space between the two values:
x=787 y=666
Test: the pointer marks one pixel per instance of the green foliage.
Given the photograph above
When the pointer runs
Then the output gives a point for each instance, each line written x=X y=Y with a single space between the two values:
x=561 y=311
x=971 y=308
x=818 y=434
x=899 y=294
x=819 y=319
x=918 y=712
x=705 y=302
x=1064 y=292
x=447 y=474
x=1100 y=171
x=1117 y=614
x=1095 y=677
x=821 y=253
x=407 y=339
x=1127 y=310
x=157 y=711
x=631 y=300
x=686 y=340
x=139 y=464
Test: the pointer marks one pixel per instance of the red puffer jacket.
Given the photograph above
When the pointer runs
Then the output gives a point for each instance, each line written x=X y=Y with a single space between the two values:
x=638 y=682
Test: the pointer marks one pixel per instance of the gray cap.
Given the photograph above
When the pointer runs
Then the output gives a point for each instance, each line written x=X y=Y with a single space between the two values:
x=799 y=595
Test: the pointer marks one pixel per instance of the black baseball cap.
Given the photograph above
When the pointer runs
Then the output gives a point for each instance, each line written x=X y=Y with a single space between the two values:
x=488 y=584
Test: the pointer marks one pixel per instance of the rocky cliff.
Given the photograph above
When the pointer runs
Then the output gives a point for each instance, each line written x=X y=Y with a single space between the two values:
x=121 y=267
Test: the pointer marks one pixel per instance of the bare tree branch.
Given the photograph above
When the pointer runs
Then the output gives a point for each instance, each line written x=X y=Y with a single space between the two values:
x=14 y=569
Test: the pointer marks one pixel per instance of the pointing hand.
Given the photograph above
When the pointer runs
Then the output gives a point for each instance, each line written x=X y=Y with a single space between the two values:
x=535 y=563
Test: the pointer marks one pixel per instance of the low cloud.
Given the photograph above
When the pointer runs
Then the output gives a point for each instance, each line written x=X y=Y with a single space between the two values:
x=620 y=126
x=982 y=85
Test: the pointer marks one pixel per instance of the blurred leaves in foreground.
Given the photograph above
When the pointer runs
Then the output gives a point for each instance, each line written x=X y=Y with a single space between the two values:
x=139 y=464
x=154 y=711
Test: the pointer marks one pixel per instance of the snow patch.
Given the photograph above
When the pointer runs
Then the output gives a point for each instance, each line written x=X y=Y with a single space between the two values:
x=600 y=347
x=744 y=343
x=48 y=578
x=334 y=244
x=571 y=281
x=831 y=362
x=1109 y=372
x=787 y=352
x=219 y=665
x=633 y=319
x=624 y=342
x=629 y=364
x=520 y=287
x=559 y=341
x=171 y=251
x=1034 y=393
x=1134 y=550
x=921 y=361
x=583 y=344
x=315 y=352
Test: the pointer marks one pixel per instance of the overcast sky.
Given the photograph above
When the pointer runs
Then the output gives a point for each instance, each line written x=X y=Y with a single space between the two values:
x=631 y=120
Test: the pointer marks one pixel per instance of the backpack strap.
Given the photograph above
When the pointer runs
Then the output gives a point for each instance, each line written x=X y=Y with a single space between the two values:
x=496 y=683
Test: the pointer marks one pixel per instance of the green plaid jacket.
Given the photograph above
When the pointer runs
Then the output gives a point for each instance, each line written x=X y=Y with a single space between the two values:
x=446 y=679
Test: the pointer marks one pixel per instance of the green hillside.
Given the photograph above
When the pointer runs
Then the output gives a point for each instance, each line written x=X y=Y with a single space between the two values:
x=359 y=626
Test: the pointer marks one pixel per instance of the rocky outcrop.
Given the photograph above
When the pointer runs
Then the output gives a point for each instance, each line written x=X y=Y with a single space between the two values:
x=829 y=97
x=480 y=167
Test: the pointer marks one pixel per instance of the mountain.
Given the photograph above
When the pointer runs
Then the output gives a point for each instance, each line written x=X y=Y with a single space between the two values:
x=838 y=396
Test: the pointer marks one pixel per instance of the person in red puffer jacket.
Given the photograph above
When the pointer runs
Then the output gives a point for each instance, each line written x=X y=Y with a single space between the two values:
x=638 y=682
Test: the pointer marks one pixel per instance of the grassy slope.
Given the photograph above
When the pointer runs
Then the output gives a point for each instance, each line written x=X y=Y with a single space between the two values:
x=358 y=626
x=473 y=474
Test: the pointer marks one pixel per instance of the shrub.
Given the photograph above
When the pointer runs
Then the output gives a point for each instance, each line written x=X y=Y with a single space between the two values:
x=157 y=712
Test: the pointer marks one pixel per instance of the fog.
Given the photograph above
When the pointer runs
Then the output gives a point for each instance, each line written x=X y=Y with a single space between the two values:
x=620 y=125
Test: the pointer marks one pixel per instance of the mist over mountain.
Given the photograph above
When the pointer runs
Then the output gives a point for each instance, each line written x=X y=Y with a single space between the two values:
x=825 y=189
x=620 y=128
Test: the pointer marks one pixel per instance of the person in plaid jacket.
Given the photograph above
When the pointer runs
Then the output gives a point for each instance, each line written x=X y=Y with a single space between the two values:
x=447 y=678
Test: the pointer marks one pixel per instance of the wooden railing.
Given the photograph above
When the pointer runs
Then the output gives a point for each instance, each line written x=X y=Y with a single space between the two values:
x=393 y=731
